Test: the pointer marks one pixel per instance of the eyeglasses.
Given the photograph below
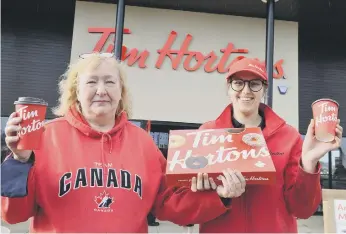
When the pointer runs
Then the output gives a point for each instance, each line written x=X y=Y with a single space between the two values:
x=254 y=85
x=102 y=55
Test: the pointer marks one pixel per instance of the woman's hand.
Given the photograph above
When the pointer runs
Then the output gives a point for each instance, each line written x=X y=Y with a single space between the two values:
x=233 y=184
x=11 y=132
x=202 y=182
x=313 y=150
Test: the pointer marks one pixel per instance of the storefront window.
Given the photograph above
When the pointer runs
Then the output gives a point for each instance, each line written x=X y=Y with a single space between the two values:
x=324 y=166
x=339 y=171
x=333 y=172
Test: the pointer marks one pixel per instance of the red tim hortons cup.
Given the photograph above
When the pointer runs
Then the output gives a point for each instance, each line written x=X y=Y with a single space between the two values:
x=325 y=113
x=33 y=113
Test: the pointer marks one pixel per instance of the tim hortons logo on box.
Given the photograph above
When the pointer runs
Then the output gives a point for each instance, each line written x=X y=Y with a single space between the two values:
x=210 y=151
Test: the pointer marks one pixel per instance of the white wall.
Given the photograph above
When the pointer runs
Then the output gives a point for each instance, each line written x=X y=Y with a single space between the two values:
x=178 y=95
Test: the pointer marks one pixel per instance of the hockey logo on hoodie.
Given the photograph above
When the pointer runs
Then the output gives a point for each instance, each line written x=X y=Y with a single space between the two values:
x=95 y=177
x=104 y=200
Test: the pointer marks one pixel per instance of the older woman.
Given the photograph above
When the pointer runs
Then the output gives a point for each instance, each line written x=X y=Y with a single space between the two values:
x=297 y=192
x=95 y=171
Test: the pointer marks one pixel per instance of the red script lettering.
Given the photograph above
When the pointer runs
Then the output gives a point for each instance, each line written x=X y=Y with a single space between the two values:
x=191 y=60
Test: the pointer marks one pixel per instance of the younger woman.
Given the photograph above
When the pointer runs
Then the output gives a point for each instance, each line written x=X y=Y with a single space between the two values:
x=297 y=192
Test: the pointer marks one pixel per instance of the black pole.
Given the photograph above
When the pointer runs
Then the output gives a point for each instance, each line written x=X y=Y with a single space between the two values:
x=343 y=157
x=119 y=29
x=270 y=49
x=330 y=170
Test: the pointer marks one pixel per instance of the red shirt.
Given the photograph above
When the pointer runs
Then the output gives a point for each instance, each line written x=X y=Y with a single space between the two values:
x=269 y=209
x=86 y=181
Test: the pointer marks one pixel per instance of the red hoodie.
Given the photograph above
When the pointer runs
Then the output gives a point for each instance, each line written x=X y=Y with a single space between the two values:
x=86 y=181
x=269 y=209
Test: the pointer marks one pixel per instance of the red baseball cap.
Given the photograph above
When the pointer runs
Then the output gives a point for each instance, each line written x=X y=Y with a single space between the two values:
x=252 y=65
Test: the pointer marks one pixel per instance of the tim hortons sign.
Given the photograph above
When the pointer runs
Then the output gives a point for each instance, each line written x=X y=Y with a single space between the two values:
x=191 y=60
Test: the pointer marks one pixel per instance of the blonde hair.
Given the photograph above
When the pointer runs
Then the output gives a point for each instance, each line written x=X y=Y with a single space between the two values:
x=69 y=82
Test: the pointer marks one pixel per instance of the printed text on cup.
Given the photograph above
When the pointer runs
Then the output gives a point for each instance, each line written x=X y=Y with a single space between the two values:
x=35 y=124
x=328 y=114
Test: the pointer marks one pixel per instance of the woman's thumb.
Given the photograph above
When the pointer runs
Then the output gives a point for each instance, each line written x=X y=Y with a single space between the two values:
x=311 y=128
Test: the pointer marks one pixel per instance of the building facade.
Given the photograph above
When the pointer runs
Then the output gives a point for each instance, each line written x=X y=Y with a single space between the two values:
x=180 y=71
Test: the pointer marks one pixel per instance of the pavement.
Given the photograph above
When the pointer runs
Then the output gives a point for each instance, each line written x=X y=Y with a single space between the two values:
x=312 y=225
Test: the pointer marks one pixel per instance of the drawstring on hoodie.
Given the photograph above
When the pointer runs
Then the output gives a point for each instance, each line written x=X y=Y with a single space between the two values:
x=105 y=137
x=109 y=138
x=76 y=119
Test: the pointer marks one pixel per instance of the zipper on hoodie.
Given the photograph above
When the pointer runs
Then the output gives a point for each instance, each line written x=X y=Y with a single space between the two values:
x=104 y=141
x=104 y=166
x=245 y=212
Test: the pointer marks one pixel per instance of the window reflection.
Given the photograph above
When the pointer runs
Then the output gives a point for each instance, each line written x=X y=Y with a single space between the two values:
x=333 y=172
x=336 y=178
x=324 y=166
x=335 y=161
x=339 y=171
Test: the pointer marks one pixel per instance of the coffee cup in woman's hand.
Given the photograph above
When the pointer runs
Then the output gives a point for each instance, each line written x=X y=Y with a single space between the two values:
x=12 y=138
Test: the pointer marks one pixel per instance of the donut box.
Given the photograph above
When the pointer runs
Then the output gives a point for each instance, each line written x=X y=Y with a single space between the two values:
x=213 y=150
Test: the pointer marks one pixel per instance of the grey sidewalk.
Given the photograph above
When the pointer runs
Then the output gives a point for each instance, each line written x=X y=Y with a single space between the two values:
x=311 y=225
